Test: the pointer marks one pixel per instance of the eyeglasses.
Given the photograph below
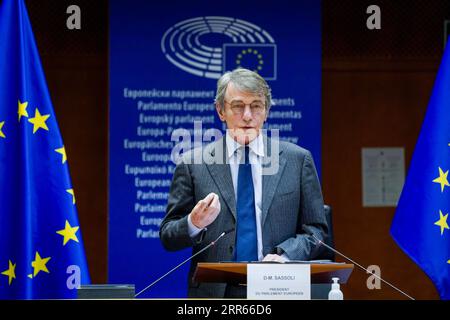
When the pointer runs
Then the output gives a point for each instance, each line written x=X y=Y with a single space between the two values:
x=238 y=108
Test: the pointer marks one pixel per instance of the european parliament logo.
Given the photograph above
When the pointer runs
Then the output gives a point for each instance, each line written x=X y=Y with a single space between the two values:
x=209 y=46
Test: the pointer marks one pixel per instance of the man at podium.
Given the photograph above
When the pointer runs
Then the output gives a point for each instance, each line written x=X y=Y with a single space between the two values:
x=267 y=190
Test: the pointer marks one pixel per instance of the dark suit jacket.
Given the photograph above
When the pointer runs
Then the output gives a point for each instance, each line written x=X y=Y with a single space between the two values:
x=292 y=208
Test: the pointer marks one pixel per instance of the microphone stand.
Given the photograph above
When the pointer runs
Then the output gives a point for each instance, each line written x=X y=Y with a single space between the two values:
x=191 y=257
x=360 y=266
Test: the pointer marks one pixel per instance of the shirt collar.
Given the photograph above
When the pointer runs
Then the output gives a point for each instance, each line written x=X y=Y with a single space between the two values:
x=257 y=145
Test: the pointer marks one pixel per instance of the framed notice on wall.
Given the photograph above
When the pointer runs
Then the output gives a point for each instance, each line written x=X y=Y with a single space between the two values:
x=383 y=175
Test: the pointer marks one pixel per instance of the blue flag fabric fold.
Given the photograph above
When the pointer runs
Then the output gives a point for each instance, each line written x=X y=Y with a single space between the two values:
x=421 y=224
x=41 y=248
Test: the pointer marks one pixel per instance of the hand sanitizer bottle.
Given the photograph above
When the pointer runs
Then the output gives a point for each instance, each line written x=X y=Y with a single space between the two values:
x=335 y=293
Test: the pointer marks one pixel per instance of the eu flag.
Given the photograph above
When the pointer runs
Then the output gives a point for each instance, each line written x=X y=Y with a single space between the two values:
x=420 y=225
x=261 y=58
x=41 y=250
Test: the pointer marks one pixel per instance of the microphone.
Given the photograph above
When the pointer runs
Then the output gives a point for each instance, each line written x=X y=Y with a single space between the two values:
x=320 y=242
x=188 y=259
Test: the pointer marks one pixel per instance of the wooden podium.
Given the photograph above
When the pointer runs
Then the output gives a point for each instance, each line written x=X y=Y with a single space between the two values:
x=236 y=272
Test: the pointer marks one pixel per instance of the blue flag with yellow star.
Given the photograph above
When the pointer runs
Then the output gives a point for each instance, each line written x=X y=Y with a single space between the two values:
x=420 y=225
x=41 y=250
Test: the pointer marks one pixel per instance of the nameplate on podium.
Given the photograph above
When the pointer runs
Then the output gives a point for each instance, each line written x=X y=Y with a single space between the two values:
x=278 y=281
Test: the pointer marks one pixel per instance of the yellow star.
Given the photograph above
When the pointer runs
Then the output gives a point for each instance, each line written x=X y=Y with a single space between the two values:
x=63 y=152
x=39 y=264
x=68 y=233
x=442 y=222
x=2 y=135
x=39 y=121
x=442 y=179
x=73 y=195
x=22 y=110
x=11 y=272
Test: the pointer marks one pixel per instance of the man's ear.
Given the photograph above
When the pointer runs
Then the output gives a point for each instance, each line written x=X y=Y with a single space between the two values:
x=220 y=112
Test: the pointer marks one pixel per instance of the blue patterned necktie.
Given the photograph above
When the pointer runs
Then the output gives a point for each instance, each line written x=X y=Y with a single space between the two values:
x=246 y=241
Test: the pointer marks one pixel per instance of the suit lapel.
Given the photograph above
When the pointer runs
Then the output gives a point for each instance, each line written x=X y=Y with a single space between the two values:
x=221 y=175
x=270 y=182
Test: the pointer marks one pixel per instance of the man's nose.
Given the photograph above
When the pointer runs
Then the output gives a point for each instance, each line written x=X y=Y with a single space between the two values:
x=247 y=113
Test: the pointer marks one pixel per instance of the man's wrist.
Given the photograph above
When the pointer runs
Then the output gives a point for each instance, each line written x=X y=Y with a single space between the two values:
x=192 y=228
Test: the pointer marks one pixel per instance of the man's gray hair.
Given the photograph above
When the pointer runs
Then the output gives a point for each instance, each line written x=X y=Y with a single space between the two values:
x=245 y=80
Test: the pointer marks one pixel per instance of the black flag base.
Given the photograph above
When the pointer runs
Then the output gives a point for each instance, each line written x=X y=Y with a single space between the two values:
x=106 y=291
